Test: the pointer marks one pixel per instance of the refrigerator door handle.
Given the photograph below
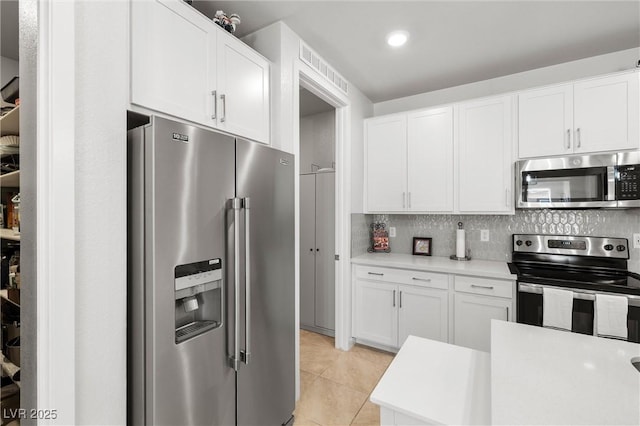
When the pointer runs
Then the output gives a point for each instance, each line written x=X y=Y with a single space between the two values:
x=236 y=205
x=246 y=353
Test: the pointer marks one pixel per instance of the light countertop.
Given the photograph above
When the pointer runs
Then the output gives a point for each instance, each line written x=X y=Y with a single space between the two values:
x=480 y=268
x=532 y=376
x=542 y=376
x=437 y=382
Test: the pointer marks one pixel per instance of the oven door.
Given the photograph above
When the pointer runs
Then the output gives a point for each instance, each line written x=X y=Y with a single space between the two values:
x=529 y=303
x=567 y=182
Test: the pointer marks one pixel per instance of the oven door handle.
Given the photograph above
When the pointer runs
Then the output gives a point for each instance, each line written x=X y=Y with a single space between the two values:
x=577 y=293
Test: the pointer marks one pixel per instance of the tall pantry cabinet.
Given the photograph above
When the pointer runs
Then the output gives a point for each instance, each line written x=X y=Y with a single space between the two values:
x=317 y=242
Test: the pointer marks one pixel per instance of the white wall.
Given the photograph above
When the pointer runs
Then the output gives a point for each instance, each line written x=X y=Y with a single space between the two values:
x=102 y=93
x=617 y=61
x=317 y=141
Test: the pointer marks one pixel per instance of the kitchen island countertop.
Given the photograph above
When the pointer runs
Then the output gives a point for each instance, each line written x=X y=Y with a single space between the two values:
x=532 y=376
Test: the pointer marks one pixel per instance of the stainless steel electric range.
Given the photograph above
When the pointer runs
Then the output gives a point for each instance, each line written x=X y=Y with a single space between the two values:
x=585 y=265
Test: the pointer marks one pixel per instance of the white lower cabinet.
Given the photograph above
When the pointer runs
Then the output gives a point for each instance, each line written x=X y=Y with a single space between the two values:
x=476 y=302
x=375 y=313
x=422 y=312
x=386 y=313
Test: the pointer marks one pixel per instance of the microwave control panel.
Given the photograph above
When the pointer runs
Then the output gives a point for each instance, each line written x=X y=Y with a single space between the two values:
x=627 y=182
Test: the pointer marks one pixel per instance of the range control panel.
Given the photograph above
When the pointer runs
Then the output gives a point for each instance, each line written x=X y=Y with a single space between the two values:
x=628 y=177
x=571 y=245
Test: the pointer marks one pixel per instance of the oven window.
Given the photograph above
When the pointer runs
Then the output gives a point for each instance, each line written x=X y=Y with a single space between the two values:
x=577 y=185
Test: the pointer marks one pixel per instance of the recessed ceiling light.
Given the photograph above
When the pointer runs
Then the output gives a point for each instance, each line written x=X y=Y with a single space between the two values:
x=397 y=38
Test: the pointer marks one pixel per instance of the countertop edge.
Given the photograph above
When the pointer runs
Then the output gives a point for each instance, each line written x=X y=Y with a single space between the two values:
x=453 y=269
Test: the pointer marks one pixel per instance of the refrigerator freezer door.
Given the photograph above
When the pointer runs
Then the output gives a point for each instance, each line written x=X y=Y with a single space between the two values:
x=266 y=388
x=188 y=178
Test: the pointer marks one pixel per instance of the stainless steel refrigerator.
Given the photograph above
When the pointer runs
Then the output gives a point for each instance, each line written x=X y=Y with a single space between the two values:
x=211 y=279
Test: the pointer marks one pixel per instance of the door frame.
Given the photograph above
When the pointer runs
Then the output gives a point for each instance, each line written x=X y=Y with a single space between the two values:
x=308 y=78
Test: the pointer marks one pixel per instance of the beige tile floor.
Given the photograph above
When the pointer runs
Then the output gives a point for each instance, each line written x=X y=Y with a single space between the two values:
x=335 y=385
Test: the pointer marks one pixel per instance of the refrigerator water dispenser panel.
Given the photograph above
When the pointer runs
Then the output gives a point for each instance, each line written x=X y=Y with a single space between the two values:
x=198 y=298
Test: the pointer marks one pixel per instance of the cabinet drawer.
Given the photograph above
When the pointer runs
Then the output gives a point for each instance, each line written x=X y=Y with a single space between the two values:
x=486 y=286
x=403 y=276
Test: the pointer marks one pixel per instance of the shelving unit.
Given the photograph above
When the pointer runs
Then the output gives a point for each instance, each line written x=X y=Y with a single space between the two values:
x=10 y=123
x=10 y=180
x=9 y=234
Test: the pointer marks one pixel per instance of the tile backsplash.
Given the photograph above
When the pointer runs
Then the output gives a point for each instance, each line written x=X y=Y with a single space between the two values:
x=441 y=228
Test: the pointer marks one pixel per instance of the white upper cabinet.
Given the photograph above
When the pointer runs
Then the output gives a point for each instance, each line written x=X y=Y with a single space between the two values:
x=184 y=65
x=409 y=162
x=485 y=161
x=173 y=51
x=386 y=163
x=243 y=90
x=594 y=115
x=430 y=160
x=606 y=113
x=545 y=119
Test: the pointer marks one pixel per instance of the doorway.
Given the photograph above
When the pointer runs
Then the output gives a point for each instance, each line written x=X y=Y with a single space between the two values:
x=317 y=193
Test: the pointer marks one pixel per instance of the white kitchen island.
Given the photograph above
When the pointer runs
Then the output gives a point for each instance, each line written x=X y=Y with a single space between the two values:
x=532 y=376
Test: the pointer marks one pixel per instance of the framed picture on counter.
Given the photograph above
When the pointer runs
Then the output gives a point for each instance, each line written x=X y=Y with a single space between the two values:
x=422 y=246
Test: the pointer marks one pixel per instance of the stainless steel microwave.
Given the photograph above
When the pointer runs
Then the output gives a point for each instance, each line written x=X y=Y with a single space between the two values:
x=579 y=182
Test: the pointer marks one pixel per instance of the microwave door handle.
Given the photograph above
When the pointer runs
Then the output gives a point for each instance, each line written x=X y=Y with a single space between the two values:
x=611 y=183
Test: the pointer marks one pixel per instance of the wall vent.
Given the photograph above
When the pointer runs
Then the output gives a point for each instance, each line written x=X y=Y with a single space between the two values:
x=312 y=59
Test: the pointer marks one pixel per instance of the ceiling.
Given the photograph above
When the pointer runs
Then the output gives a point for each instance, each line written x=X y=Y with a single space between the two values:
x=451 y=42
x=9 y=29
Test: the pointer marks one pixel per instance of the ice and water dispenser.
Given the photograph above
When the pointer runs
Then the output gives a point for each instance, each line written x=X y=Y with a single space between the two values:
x=199 y=298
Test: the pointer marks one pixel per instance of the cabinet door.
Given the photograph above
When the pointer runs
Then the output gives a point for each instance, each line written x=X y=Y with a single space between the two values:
x=173 y=59
x=325 y=292
x=430 y=160
x=307 y=249
x=545 y=121
x=472 y=319
x=606 y=113
x=375 y=315
x=485 y=159
x=422 y=312
x=386 y=163
x=243 y=90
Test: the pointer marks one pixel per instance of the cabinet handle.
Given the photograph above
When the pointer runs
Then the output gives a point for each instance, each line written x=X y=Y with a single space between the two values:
x=375 y=273
x=578 y=138
x=409 y=198
x=507 y=312
x=394 y=298
x=223 y=98
x=426 y=280
x=400 y=299
x=214 y=93
x=486 y=287
x=404 y=200
x=568 y=138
